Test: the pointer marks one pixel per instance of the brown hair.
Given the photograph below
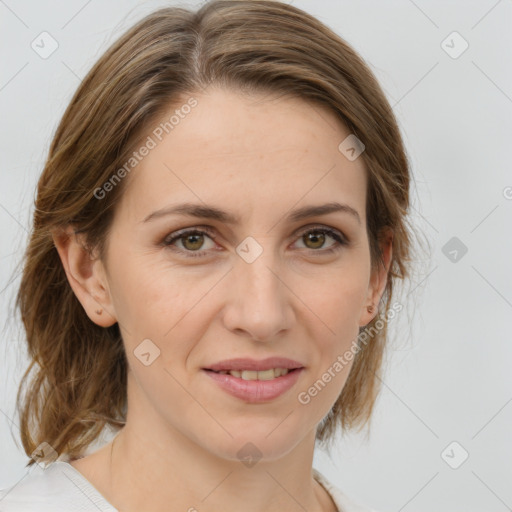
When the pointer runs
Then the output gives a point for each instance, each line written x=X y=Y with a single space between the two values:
x=79 y=381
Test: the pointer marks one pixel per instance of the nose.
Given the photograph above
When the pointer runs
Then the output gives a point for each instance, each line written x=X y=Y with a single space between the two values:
x=260 y=304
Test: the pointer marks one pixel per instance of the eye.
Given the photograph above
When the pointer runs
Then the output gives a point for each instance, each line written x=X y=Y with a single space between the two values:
x=316 y=237
x=192 y=241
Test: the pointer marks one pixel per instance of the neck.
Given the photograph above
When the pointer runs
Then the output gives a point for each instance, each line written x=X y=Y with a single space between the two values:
x=184 y=478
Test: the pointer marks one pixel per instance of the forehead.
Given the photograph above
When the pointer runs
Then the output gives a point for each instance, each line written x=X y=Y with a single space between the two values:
x=248 y=151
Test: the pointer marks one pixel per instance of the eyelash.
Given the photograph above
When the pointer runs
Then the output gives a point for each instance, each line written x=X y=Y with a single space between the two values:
x=205 y=230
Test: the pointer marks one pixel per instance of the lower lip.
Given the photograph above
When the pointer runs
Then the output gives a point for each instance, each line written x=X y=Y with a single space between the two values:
x=255 y=391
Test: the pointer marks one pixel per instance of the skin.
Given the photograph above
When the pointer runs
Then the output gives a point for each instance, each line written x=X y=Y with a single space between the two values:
x=257 y=157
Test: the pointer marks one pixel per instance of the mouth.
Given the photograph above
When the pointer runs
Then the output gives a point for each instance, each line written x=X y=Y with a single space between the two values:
x=255 y=381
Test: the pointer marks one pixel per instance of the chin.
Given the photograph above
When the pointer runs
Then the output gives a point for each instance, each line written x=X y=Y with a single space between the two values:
x=257 y=444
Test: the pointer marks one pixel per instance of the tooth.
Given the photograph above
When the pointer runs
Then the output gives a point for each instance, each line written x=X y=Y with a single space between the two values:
x=266 y=374
x=270 y=374
x=249 y=375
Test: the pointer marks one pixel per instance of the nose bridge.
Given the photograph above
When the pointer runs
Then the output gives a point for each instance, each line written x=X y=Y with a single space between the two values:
x=260 y=305
x=260 y=278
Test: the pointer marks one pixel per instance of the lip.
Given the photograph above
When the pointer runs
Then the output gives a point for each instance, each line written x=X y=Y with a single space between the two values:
x=255 y=391
x=255 y=365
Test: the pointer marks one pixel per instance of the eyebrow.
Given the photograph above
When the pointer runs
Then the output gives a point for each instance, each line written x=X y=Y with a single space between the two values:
x=211 y=212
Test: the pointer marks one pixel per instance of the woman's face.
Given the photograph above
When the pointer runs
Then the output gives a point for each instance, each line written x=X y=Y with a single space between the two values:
x=255 y=282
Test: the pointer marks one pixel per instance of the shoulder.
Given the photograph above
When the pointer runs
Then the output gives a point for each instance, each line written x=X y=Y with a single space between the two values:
x=56 y=488
x=342 y=501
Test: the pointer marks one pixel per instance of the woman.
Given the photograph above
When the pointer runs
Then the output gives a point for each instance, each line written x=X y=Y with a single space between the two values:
x=218 y=229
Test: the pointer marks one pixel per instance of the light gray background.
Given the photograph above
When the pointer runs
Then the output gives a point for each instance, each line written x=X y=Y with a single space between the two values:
x=449 y=377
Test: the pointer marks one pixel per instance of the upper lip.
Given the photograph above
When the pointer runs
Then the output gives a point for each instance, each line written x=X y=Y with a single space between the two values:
x=254 y=364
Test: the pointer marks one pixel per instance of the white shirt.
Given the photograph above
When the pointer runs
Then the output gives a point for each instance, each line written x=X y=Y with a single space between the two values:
x=61 y=488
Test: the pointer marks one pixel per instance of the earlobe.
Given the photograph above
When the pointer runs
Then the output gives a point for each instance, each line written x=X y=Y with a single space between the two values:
x=379 y=277
x=86 y=276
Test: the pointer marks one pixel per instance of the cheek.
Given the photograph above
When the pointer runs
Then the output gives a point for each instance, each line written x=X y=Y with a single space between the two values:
x=148 y=295
x=336 y=298
x=165 y=306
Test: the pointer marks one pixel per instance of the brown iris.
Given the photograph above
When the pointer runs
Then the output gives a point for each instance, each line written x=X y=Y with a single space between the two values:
x=316 y=237
x=196 y=239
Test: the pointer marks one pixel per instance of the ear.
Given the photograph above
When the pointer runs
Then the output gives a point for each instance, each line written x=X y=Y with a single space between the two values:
x=379 y=277
x=86 y=275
